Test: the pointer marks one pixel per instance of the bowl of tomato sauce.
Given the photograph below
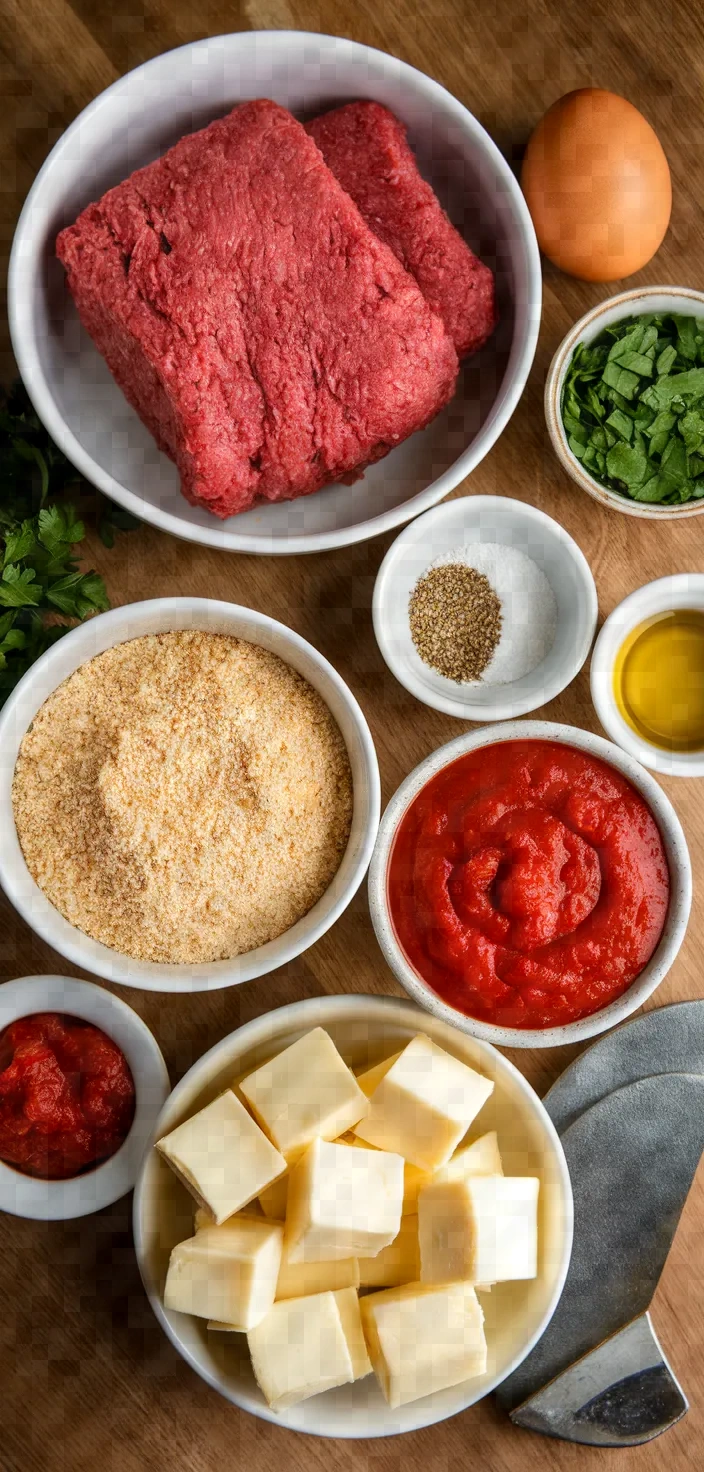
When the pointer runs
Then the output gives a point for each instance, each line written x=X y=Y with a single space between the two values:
x=82 y=1080
x=531 y=884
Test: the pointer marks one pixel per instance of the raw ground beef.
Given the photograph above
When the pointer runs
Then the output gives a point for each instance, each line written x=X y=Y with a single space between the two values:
x=267 y=338
x=366 y=148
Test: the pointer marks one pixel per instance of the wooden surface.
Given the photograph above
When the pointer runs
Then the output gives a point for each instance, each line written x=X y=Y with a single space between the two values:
x=87 y=1379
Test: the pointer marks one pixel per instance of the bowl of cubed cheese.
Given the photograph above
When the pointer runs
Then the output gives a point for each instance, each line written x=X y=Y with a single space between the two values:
x=354 y=1220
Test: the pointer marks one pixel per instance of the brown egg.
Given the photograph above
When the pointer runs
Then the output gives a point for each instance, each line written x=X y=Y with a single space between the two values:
x=597 y=184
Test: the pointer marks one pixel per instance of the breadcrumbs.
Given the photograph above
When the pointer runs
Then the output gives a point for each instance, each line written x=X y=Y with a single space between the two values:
x=183 y=797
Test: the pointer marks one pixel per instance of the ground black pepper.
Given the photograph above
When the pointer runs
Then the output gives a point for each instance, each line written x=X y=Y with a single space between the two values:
x=455 y=620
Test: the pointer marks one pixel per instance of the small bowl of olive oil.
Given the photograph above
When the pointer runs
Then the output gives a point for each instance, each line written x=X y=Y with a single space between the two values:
x=647 y=676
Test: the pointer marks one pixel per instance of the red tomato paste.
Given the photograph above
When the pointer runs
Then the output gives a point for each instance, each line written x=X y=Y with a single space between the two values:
x=66 y=1095
x=528 y=884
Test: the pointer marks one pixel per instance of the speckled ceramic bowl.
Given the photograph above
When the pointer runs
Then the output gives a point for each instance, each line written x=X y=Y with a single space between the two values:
x=627 y=304
x=677 y=858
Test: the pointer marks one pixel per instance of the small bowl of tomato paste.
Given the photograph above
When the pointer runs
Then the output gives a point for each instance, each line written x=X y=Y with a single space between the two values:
x=531 y=884
x=82 y=1081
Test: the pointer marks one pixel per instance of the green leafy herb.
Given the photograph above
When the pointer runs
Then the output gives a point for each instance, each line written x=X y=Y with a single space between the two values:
x=43 y=592
x=619 y=422
x=633 y=407
x=666 y=360
x=627 y=464
x=625 y=383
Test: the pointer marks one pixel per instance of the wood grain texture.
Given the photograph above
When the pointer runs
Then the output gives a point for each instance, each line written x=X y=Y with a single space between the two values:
x=88 y=1380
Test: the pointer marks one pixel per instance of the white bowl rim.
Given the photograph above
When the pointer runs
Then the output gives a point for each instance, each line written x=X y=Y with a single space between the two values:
x=291 y=1016
x=651 y=598
x=553 y=416
x=90 y=955
x=503 y=706
x=47 y=1200
x=678 y=861
x=20 y=277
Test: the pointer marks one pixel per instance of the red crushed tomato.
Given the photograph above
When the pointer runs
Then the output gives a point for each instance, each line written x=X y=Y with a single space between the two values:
x=528 y=884
x=66 y=1095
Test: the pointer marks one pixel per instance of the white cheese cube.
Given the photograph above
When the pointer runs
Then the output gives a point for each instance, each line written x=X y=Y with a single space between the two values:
x=298 y=1279
x=342 y=1202
x=424 y=1104
x=227 y=1273
x=300 y=1349
x=347 y=1300
x=370 y=1078
x=304 y=1093
x=481 y=1158
x=481 y=1228
x=222 y=1156
x=413 y=1177
x=423 y=1338
x=398 y=1263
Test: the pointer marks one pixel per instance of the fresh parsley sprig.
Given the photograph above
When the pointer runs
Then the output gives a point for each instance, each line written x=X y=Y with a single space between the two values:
x=41 y=587
x=43 y=591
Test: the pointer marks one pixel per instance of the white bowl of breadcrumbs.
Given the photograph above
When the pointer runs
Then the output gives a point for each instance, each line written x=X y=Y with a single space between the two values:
x=189 y=795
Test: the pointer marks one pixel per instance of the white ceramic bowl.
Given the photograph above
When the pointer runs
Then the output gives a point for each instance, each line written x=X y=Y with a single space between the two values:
x=158 y=616
x=627 y=304
x=677 y=857
x=23 y=1195
x=365 y=1029
x=145 y=113
x=512 y=524
x=684 y=590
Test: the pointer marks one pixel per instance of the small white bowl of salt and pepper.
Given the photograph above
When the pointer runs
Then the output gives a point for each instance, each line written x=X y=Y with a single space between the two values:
x=485 y=608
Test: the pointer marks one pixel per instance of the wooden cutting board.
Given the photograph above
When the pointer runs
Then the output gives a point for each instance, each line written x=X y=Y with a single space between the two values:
x=88 y=1383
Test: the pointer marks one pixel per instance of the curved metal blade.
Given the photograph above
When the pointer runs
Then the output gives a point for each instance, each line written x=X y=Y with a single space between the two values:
x=666 y=1040
x=632 y=1158
x=621 y=1394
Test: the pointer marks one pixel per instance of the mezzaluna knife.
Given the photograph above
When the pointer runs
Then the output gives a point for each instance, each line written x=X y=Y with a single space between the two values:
x=598 y=1375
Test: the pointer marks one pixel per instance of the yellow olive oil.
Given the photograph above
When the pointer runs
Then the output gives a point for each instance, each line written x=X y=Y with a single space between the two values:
x=659 y=680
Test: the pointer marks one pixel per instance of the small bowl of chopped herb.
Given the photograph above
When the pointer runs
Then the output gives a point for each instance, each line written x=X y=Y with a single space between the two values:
x=624 y=402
